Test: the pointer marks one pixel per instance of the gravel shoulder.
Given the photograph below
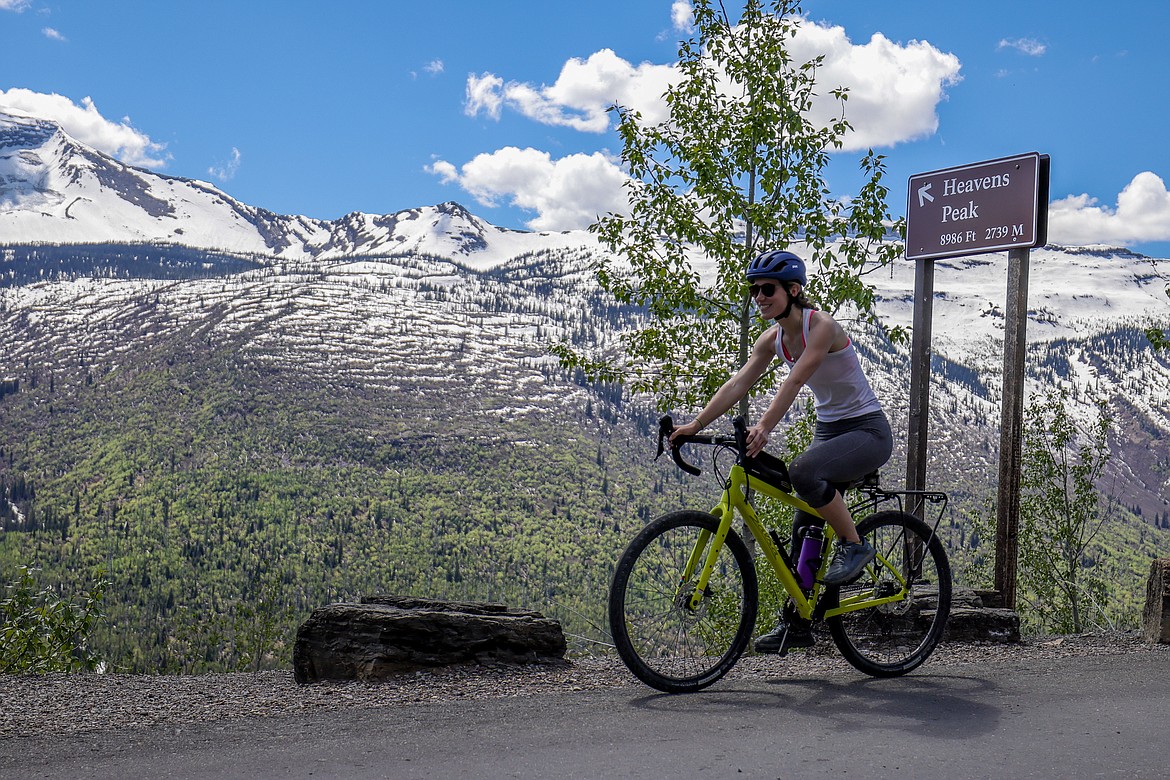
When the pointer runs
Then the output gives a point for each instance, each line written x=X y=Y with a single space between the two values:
x=62 y=705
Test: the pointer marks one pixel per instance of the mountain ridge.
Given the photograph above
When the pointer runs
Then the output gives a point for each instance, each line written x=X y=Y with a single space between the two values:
x=58 y=190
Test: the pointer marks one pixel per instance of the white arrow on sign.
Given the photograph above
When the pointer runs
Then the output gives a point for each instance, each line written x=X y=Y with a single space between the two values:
x=924 y=194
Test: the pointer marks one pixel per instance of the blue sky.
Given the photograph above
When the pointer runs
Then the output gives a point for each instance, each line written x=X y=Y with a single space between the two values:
x=326 y=108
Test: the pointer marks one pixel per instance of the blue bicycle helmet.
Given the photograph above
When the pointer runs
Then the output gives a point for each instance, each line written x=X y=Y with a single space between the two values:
x=778 y=264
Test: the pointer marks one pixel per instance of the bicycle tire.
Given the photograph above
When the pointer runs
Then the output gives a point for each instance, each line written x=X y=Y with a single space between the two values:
x=667 y=645
x=893 y=639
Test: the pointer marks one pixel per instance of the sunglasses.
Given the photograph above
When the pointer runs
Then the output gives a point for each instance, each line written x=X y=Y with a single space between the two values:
x=768 y=289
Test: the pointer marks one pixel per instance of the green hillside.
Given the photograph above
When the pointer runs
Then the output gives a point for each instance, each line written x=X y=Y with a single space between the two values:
x=226 y=491
x=225 y=503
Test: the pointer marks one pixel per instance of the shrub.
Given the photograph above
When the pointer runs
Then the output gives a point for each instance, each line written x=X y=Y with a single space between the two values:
x=42 y=632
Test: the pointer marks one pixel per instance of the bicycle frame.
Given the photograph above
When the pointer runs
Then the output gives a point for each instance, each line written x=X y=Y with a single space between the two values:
x=735 y=500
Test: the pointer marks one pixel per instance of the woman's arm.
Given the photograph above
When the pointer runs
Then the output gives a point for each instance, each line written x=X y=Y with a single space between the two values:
x=823 y=331
x=735 y=388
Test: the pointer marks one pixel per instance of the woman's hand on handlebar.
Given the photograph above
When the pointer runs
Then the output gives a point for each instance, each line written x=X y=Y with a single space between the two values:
x=757 y=439
x=690 y=429
x=757 y=436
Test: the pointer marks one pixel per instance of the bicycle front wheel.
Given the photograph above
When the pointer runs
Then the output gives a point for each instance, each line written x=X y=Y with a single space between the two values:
x=665 y=641
x=913 y=577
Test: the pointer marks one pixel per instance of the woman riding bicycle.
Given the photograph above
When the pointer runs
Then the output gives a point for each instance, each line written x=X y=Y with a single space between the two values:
x=852 y=437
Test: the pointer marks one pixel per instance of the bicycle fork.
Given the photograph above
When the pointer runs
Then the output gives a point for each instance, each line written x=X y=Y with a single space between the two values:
x=706 y=551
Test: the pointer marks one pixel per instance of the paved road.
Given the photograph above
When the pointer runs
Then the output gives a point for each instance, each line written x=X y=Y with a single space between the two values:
x=1086 y=717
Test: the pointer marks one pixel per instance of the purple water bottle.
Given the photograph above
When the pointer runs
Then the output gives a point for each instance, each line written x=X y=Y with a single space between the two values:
x=809 y=561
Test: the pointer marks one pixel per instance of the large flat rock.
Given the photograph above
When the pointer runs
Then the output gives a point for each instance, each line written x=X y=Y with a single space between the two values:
x=383 y=636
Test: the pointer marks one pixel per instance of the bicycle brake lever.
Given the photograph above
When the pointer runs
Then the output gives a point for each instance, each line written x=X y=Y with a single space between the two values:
x=740 y=425
x=665 y=428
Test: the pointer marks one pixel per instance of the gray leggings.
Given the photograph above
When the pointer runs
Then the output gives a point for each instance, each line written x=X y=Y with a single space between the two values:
x=842 y=451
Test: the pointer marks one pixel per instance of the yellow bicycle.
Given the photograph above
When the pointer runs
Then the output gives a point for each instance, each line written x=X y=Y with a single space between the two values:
x=684 y=596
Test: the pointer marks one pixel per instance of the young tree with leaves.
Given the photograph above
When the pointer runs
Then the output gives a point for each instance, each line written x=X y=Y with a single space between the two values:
x=737 y=168
x=1060 y=510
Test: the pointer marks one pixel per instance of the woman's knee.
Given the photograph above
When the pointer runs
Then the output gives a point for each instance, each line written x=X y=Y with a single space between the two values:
x=802 y=474
x=808 y=482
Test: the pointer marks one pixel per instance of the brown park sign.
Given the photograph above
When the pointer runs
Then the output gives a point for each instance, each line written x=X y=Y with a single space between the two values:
x=982 y=207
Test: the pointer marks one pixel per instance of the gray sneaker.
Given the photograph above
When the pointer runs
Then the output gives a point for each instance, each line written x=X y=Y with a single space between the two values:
x=848 y=562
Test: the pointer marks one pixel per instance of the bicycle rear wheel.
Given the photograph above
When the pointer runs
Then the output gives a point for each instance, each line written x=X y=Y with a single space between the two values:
x=667 y=644
x=891 y=639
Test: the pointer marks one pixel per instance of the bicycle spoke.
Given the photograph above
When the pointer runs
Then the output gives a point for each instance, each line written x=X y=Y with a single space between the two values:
x=663 y=640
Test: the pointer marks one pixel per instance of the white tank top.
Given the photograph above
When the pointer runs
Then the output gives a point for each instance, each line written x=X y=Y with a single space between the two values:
x=838 y=385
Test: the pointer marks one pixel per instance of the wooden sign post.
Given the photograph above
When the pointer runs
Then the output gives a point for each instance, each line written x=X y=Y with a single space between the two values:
x=973 y=209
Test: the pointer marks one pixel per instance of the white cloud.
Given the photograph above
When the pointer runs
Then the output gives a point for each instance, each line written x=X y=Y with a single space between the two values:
x=53 y=35
x=434 y=67
x=581 y=95
x=894 y=88
x=447 y=172
x=566 y=194
x=86 y=124
x=1028 y=46
x=1142 y=214
x=894 y=93
x=484 y=93
x=227 y=171
x=14 y=5
x=682 y=16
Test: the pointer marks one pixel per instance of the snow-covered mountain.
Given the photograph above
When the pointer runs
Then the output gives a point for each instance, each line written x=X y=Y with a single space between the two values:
x=436 y=304
x=55 y=189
